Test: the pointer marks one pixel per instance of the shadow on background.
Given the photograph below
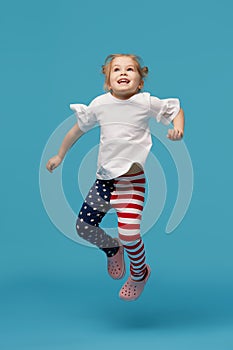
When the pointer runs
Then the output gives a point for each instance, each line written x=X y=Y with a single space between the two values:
x=38 y=303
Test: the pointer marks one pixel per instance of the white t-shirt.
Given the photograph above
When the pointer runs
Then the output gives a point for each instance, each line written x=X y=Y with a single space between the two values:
x=125 y=137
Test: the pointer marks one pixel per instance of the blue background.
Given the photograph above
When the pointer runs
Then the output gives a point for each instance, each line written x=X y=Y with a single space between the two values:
x=55 y=294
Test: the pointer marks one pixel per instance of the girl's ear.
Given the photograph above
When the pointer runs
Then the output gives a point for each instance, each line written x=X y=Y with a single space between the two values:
x=109 y=87
x=141 y=84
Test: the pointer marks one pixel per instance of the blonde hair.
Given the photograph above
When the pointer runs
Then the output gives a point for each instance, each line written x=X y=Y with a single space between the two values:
x=106 y=67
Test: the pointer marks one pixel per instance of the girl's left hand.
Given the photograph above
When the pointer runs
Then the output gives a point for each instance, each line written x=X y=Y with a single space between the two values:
x=175 y=134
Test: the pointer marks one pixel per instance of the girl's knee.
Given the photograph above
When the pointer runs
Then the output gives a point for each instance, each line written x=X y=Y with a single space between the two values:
x=80 y=227
x=85 y=230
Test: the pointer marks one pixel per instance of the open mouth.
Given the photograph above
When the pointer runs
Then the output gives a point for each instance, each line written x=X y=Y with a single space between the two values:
x=123 y=81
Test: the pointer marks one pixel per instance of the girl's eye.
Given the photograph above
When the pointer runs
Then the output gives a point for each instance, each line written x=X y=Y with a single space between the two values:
x=130 y=69
x=115 y=69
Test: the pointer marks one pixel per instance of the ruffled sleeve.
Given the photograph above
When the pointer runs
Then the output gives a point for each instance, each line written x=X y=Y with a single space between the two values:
x=165 y=110
x=85 y=117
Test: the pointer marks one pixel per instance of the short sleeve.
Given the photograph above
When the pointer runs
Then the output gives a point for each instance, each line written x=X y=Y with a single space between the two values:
x=165 y=110
x=85 y=117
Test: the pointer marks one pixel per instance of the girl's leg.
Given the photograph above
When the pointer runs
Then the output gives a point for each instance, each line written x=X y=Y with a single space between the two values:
x=136 y=253
x=93 y=210
x=128 y=200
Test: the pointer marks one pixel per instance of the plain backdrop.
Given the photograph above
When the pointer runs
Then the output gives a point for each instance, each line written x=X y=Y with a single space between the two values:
x=56 y=294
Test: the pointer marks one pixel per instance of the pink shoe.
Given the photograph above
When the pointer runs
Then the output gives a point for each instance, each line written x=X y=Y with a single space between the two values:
x=132 y=290
x=116 y=264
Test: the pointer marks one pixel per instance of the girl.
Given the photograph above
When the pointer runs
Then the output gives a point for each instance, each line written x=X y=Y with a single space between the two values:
x=123 y=114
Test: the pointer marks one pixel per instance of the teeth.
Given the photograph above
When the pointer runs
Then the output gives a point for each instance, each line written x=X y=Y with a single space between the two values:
x=123 y=81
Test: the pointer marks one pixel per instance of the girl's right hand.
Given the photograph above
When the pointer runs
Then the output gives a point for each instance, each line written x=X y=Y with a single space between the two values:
x=53 y=163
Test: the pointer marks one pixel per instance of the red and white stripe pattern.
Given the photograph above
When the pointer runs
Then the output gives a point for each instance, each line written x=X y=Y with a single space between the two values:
x=136 y=254
x=128 y=200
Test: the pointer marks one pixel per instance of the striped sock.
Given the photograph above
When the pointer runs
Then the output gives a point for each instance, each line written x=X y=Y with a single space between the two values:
x=136 y=254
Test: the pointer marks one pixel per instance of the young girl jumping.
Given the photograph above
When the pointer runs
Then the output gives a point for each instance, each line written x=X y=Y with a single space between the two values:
x=123 y=114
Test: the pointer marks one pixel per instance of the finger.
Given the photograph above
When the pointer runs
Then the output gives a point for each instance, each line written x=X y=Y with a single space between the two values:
x=180 y=135
x=50 y=167
x=169 y=134
x=177 y=135
x=173 y=134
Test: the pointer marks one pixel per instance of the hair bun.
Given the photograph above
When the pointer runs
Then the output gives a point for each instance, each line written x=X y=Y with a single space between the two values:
x=103 y=69
x=145 y=71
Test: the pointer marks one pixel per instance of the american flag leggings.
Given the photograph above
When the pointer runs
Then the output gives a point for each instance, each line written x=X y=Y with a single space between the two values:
x=126 y=195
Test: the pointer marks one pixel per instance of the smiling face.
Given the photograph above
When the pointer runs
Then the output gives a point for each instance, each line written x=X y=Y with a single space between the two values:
x=125 y=80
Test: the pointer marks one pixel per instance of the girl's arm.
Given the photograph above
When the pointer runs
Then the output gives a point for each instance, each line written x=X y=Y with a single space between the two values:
x=71 y=137
x=177 y=132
